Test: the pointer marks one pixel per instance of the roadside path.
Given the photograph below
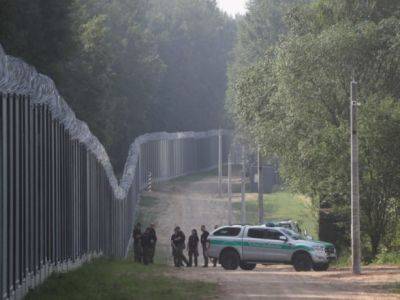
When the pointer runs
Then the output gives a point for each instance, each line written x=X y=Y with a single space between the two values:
x=191 y=204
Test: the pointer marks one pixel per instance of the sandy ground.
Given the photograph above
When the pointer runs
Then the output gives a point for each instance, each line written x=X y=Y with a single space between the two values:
x=190 y=205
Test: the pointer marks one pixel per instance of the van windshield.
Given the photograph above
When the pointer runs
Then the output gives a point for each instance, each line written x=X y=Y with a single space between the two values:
x=292 y=234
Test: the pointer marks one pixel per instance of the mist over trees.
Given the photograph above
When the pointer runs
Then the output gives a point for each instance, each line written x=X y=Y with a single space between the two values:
x=194 y=42
x=294 y=101
x=127 y=67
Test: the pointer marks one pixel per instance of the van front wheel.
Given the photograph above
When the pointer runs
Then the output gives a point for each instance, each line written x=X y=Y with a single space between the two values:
x=302 y=262
x=321 y=267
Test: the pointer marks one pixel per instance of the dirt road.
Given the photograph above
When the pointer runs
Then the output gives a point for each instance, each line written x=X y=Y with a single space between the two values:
x=191 y=204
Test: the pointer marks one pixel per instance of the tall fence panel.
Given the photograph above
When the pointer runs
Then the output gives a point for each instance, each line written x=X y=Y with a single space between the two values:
x=60 y=202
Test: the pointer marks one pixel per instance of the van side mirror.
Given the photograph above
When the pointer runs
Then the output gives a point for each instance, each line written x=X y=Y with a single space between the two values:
x=283 y=238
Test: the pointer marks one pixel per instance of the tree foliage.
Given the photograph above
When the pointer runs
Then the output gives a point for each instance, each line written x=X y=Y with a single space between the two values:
x=127 y=67
x=295 y=102
x=262 y=27
x=195 y=40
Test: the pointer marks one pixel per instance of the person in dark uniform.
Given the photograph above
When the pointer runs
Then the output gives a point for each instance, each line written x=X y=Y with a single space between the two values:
x=215 y=260
x=193 y=248
x=204 y=244
x=153 y=241
x=137 y=243
x=146 y=245
x=178 y=245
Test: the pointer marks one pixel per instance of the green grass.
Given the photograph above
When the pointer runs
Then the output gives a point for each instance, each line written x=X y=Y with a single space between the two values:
x=282 y=205
x=117 y=279
x=396 y=288
x=148 y=201
x=194 y=177
x=387 y=258
x=393 y=287
x=343 y=261
x=149 y=208
x=384 y=258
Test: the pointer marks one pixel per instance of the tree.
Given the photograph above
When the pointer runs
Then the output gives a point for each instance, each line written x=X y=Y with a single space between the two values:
x=295 y=101
x=261 y=28
x=194 y=41
x=127 y=67
x=110 y=82
x=38 y=31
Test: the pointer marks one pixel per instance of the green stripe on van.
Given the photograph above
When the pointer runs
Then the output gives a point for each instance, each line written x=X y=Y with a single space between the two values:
x=260 y=245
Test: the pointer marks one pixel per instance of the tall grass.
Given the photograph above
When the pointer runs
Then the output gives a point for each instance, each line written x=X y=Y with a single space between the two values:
x=388 y=258
x=119 y=279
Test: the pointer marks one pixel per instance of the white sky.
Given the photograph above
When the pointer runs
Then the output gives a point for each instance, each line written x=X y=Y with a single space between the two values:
x=233 y=7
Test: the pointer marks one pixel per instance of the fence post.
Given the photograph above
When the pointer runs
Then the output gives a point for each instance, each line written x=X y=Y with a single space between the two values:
x=88 y=178
x=4 y=179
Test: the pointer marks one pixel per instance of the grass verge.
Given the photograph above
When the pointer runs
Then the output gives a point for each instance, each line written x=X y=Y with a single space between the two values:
x=383 y=259
x=118 y=279
x=387 y=258
x=282 y=205
x=393 y=287
x=149 y=208
x=194 y=177
x=396 y=288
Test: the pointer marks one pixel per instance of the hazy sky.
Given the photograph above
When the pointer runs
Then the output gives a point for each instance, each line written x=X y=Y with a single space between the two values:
x=233 y=7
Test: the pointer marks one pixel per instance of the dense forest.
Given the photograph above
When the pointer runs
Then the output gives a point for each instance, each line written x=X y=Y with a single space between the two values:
x=127 y=67
x=282 y=72
x=289 y=89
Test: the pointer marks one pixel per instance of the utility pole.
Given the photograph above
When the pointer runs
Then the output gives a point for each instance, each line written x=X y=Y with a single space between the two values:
x=243 y=188
x=229 y=189
x=355 y=197
x=260 y=188
x=220 y=163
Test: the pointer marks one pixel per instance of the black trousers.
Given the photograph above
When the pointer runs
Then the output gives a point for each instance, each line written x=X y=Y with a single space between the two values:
x=137 y=251
x=193 y=257
x=146 y=255
x=205 y=255
x=152 y=251
x=179 y=257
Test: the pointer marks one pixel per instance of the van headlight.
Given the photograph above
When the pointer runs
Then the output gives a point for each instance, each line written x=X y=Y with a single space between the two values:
x=319 y=249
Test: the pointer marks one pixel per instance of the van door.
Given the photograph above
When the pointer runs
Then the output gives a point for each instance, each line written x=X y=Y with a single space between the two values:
x=251 y=244
x=262 y=244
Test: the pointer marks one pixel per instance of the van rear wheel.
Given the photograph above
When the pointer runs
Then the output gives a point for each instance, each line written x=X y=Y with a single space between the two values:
x=229 y=259
x=247 y=266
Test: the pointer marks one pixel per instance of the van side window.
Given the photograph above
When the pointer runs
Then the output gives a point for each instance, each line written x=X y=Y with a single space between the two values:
x=266 y=234
x=227 y=231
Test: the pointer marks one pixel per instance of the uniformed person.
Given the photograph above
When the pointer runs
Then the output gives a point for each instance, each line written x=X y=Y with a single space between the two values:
x=153 y=241
x=178 y=245
x=137 y=243
x=204 y=244
x=193 y=248
x=146 y=245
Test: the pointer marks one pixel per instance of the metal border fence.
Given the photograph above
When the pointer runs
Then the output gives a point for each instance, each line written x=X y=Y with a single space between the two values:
x=60 y=202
